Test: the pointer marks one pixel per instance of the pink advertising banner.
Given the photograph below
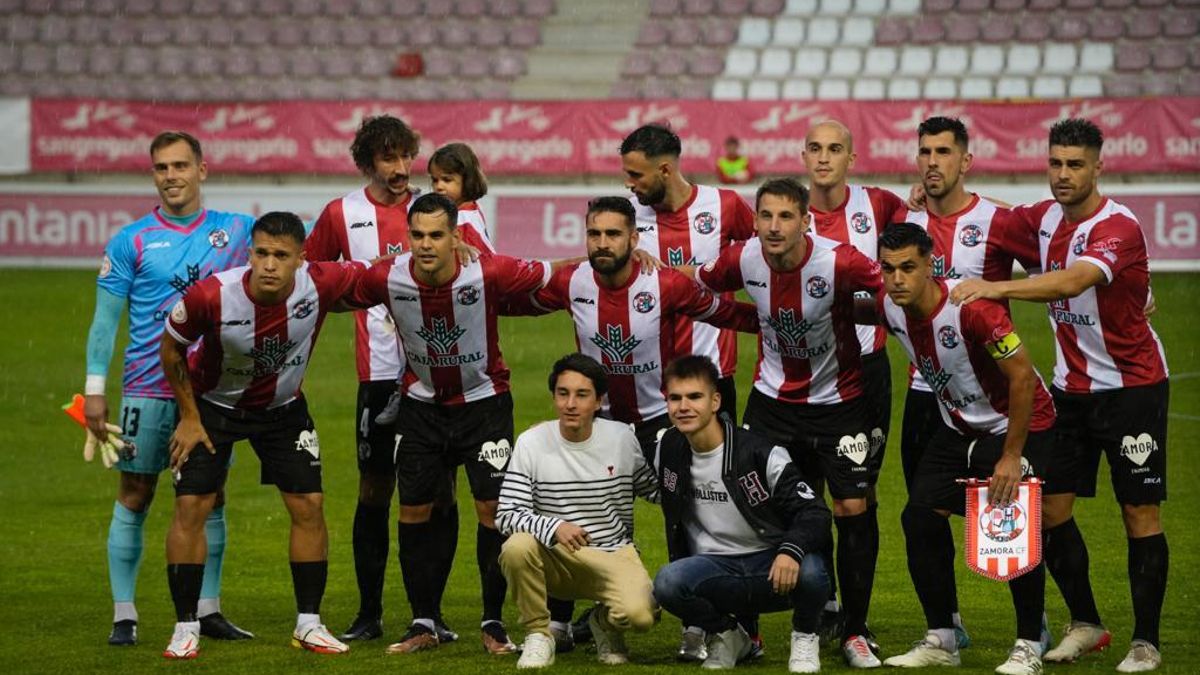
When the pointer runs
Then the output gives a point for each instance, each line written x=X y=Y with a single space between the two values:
x=582 y=137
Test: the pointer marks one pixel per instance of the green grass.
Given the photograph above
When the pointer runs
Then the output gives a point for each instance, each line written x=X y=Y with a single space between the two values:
x=54 y=593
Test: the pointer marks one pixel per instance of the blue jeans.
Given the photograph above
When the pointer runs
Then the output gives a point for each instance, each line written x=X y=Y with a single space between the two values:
x=709 y=590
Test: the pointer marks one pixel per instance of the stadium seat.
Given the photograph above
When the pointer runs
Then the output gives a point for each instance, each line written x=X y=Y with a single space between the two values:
x=1059 y=58
x=1153 y=3
x=1189 y=84
x=1132 y=56
x=762 y=90
x=810 y=62
x=637 y=64
x=389 y=35
x=1143 y=26
x=441 y=64
x=508 y=65
x=728 y=90
x=670 y=64
x=836 y=7
x=1047 y=86
x=137 y=61
x=904 y=6
x=800 y=7
x=1085 y=86
x=70 y=59
x=1008 y=6
x=845 y=62
x=934 y=8
x=962 y=29
x=973 y=6
x=798 y=90
x=664 y=8
x=624 y=88
x=322 y=33
x=788 y=32
x=766 y=7
x=823 y=31
x=858 y=31
x=941 y=88
x=54 y=29
x=833 y=90
x=474 y=66
x=754 y=32
x=338 y=64
x=951 y=60
x=987 y=60
x=304 y=63
x=693 y=90
x=880 y=61
x=719 y=33
x=490 y=35
x=1044 y=6
x=1106 y=26
x=904 y=89
x=683 y=33
x=891 y=31
x=870 y=7
x=1096 y=57
x=865 y=89
x=736 y=8
x=1012 y=87
x=998 y=29
x=240 y=62
x=1023 y=60
x=524 y=35
x=1169 y=56
x=707 y=63
x=538 y=9
x=1116 y=4
x=741 y=62
x=698 y=7
x=1179 y=24
x=103 y=60
x=1034 y=31
x=1159 y=84
x=916 y=61
x=975 y=88
x=454 y=34
x=272 y=65
x=927 y=31
x=775 y=62
x=1070 y=27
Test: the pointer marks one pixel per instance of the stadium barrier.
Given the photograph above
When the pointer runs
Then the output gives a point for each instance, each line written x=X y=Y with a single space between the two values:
x=67 y=226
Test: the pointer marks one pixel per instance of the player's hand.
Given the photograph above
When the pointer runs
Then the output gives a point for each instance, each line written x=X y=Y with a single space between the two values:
x=189 y=434
x=95 y=411
x=466 y=253
x=784 y=573
x=571 y=536
x=916 y=198
x=110 y=447
x=1005 y=476
x=649 y=263
x=970 y=290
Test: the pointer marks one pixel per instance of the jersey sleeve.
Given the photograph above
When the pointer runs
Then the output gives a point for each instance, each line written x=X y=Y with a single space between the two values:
x=474 y=231
x=514 y=277
x=553 y=296
x=725 y=272
x=192 y=314
x=119 y=264
x=1016 y=238
x=371 y=286
x=856 y=271
x=335 y=279
x=737 y=218
x=1114 y=244
x=690 y=299
x=987 y=323
x=888 y=207
x=323 y=242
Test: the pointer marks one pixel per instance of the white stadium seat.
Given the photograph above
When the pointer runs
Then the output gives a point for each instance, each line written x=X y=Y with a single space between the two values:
x=941 y=88
x=869 y=89
x=727 y=90
x=836 y=7
x=987 y=60
x=810 y=62
x=833 y=90
x=823 y=31
x=858 y=31
x=870 y=7
x=1048 y=86
x=798 y=90
x=800 y=8
x=775 y=62
x=741 y=62
x=789 y=32
x=845 y=62
x=762 y=90
x=951 y=60
x=1012 y=87
x=1096 y=57
x=916 y=61
x=904 y=88
x=1082 y=86
x=904 y=6
x=880 y=61
x=1059 y=58
x=754 y=32
x=1023 y=60
x=975 y=88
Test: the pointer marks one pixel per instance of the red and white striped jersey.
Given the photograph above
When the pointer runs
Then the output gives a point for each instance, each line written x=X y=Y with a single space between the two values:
x=1102 y=337
x=356 y=227
x=253 y=356
x=636 y=330
x=858 y=221
x=712 y=219
x=808 y=350
x=956 y=349
x=448 y=332
x=474 y=227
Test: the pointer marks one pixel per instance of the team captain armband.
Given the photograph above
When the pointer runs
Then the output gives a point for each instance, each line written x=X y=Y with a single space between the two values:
x=1004 y=347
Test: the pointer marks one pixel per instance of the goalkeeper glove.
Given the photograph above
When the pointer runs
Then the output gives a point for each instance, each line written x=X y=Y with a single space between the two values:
x=111 y=449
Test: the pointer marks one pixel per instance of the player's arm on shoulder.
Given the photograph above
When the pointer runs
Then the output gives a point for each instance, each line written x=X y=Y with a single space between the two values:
x=1045 y=287
x=866 y=311
x=723 y=273
x=647 y=261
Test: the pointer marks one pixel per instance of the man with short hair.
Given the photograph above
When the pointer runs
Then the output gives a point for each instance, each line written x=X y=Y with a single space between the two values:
x=1111 y=383
x=809 y=385
x=571 y=547
x=744 y=531
x=457 y=407
x=997 y=419
x=148 y=265
x=254 y=329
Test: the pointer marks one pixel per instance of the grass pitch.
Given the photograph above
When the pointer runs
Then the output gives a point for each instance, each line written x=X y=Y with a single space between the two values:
x=54 y=593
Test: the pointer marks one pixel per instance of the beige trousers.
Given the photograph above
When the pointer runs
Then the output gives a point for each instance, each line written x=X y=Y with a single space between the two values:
x=616 y=579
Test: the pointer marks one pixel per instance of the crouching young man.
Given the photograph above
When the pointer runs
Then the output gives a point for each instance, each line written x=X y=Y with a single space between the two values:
x=563 y=544
x=743 y=528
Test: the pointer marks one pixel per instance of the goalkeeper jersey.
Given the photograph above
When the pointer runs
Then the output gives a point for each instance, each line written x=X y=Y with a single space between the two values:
x=151 y=262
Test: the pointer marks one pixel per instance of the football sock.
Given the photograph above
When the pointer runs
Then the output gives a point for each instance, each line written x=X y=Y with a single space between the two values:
x=124 y=553
x=371 y=540
x=930 y=548
x=416 y=567
x=305 y=620
x=1029 y=599
x=308 y=583
x=1148 y=558
x=1067 y=561
x=560 y=610
x=214 y=531
x=857 y=551
x=443 y=546
x=491 y=579
x=184 y=581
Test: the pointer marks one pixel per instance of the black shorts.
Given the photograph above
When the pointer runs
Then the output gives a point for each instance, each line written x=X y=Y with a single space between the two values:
x=727 y=387
x=648 y=432
x=922 y=420
x=434 y=439
x=877 y=384
x=951 y=456
x=284 y=439
x=833 y=442
x=1130 y=426
x=376 y=443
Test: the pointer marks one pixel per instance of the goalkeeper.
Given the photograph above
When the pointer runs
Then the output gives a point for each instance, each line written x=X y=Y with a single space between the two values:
x=148 y=265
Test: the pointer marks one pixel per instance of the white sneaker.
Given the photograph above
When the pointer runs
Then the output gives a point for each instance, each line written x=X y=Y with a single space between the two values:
x=1078 y=639
x=1142 y=657
x=806 y=653
x=610 y=643
x=1022 y=660
x=185 y=642
x=858 y=653
x=538 y=651
x=726 y=648
x=317 y=638
x=927 y=652
x=691 y=646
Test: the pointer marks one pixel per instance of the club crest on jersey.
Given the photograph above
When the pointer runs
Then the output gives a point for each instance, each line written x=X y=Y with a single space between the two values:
x=860 y=222
x=1002 y=524
x=1080 y=244
x=817 y=287
x=704 y=223
x=948 y=337
x=496 y=453
x=616 y=347
x=1137 y=450
x=302 y=309
x=971 y=236
x=218 y=238
x=105 y=266
x=307 y=442
x=468 y=295
x=643 y=302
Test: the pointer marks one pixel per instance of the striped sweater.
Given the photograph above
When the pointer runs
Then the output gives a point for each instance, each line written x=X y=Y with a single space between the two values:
x=551 y=480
